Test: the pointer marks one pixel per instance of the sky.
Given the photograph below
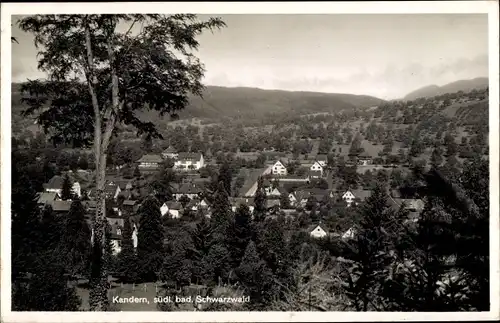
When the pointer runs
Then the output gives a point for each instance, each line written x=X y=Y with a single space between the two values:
x=383 y=55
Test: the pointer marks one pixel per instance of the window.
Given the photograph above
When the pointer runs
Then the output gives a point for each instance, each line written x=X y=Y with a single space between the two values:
x=119 y=232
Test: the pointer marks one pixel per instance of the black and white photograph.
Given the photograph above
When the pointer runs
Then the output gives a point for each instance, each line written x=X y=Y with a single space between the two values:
x=216 y=161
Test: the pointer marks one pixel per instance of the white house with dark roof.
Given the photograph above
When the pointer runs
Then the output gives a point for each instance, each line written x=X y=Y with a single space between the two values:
x=279 y=168
x=316 y=167
x=352 y=196
x=171 y=208
x=318 y=231
x=189 y=161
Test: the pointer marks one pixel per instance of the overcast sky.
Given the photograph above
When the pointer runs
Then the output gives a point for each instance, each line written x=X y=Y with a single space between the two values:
x=382 y=55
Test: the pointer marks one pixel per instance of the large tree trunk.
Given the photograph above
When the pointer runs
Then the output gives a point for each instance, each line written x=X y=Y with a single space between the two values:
x=98 y=297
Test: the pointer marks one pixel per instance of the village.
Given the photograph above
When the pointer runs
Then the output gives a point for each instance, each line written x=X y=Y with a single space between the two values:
x=286 y=194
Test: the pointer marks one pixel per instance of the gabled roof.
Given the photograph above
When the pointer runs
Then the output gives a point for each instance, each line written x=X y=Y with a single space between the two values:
x=55 y=182
x=189 y=156
x=313 y=227
x=170 y=150
x=173 y=205
x=151 y=158
x=60 y=206
x=129 y=202
x=321 y=157
x=280 y=161
x=361 y=194
x=47 y=197
x=189 y=188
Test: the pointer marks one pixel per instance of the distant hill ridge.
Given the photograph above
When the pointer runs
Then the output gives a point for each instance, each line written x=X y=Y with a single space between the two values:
x=246 y=102
x=461 y=85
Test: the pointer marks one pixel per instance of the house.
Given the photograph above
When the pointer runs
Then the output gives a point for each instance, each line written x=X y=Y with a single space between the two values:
x=171 y=208
x=318 y=231
x=150 y=162
x=351 y=196
x=273 y=191
x=55 y=186
x=111 y=190
x=189 y=161
x=170 y=152
x=364 y=159
x=128 y=206
x=322 y=159
x=117 y=237
x=279 y=168
x=316 y=167
x=349 y=234
x=191 y=190
x=47 y=197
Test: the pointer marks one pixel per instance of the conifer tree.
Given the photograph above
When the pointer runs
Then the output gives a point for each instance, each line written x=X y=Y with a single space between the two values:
x=222 y=215
x=127 y=258
x=256 y=278
x=369 y=250
x=150 y=240
x=273 y=249
x=225 y=176
x=67 y=189
x=284 y=201
x=260 y=201
x=202 y=238
x=48 y=289
x=241 y=234
x=26 y=229
x=76 y=240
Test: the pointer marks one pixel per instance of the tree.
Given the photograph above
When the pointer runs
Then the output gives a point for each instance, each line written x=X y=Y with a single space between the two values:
x=76 y=240
x=127 y=258
x=26 y=229
x=240 y=181
x=436 y=157
x=122 y=73
x=201 y=237
x=67 y=189
x=284 y=201
x=242 y=232
x=150 y=240
x=221 y=215
x=369 y=251
x=225 y=176
x=137 y=172
x=47 y=290
x=255 y=277
x=260 y=201
x=273 y=249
